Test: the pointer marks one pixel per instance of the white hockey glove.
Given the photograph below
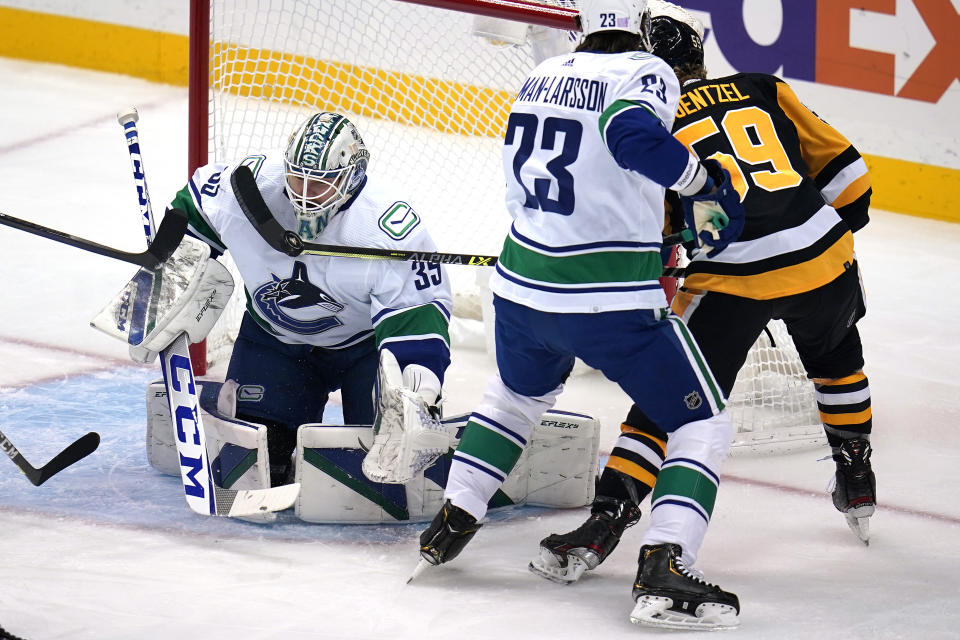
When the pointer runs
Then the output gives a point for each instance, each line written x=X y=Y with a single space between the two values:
x=407 y=433
x=185 y=294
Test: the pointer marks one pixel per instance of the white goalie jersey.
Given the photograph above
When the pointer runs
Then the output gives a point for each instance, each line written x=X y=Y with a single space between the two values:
x=331 y=302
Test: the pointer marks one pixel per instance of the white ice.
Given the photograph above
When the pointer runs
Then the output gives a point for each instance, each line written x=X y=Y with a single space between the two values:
x=108 y=549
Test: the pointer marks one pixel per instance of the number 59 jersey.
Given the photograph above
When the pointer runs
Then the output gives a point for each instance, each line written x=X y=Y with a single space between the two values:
x=586 y=234
x=804 y=187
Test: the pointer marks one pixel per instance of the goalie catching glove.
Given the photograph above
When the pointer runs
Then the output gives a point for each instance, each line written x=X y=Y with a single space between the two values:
x=407 y=433
x=185 y=294
x=713 y=209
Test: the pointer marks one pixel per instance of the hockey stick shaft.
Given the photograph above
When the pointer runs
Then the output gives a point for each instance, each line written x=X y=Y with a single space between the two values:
x=201 y=492
x=75 y=452
x=255 y=209
x=161 y=248
x=175 y=362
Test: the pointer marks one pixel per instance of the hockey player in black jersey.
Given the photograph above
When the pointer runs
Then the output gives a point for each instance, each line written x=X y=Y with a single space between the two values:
x=805 y=189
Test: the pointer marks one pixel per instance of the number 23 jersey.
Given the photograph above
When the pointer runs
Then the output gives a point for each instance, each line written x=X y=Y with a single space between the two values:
x=587 y=232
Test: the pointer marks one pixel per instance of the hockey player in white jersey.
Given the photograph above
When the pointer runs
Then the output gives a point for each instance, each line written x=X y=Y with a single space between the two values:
x=587 y=156
x=315 y=324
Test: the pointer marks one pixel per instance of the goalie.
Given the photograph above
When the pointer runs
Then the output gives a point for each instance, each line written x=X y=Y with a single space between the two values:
x=315 y=324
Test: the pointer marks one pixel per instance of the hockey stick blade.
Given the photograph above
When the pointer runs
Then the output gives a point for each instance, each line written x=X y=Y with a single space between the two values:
x=77 y=451
x=168 y=238
x=258 y=213
x=254 y=501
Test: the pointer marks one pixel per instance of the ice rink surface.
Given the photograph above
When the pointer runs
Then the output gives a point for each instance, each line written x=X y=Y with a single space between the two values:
x=108 y=548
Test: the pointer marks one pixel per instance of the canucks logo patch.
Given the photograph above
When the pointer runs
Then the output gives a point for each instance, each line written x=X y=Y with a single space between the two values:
x=399 y=220
x=296 y=304
x=250 y=393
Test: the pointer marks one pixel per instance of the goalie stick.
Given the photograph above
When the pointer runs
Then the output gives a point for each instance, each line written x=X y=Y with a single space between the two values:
x=202 y=494
x=75 y=452
x=167 y=239
x=255 y=209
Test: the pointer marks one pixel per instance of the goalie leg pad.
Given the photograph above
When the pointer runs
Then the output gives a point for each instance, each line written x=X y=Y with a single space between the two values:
x=334 y=488
x=557 y=470
x=563 y=460
x=237 y=449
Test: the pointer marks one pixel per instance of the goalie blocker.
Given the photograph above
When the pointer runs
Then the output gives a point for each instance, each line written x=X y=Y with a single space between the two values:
x=185 y=294
x=558 y=469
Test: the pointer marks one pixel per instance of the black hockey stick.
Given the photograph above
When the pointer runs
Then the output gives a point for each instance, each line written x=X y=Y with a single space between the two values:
x=256 y=210
x=6 y=635
x=77 y=451
x=168 y=238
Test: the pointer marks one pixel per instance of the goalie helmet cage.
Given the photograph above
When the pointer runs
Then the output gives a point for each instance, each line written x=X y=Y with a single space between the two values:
x=430 y=99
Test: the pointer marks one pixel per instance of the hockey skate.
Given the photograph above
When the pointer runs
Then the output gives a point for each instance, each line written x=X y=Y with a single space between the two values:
x=445 y=538
x=447 y=535
x=854 y=487
x=669 y=595
x=564 y=557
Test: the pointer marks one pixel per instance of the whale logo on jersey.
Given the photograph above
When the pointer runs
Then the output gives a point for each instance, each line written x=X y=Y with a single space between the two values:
x=296 y=304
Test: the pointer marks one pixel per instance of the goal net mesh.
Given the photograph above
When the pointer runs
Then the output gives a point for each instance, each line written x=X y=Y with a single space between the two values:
x=430 y=99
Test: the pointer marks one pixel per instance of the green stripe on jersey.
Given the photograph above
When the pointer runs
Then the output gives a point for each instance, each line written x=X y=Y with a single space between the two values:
x=419 y=321
x=704 y=369
x=584 y=268
x=184 y=200
x=491 y=447
x=677 y=480
x=619 y=106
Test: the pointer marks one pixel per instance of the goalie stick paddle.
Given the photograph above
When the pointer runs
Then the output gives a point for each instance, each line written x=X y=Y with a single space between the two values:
x=164 y=244
x=77 y=451
x=255 y=209
x=202 y=494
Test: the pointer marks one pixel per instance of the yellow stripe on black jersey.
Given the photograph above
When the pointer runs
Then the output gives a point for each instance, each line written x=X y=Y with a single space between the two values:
x=834 y=164
x=788 y=166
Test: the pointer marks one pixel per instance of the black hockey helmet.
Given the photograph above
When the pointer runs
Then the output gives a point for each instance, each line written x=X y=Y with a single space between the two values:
x=677 y=43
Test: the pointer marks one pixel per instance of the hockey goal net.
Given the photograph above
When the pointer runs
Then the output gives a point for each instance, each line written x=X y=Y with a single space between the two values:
x=430 y=99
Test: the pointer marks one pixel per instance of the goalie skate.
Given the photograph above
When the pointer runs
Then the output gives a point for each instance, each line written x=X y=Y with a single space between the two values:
x=408 y=437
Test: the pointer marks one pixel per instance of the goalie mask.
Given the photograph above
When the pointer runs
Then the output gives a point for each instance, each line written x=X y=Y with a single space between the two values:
x=325 y=163
x=631 y=16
